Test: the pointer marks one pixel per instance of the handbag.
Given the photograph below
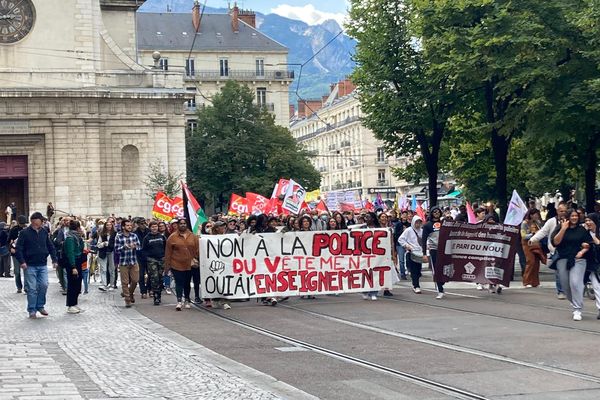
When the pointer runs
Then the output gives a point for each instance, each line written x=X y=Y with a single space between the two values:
x=416 y=258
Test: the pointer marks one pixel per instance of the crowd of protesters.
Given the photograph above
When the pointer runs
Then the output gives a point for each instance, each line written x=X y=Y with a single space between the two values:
x=152 y=253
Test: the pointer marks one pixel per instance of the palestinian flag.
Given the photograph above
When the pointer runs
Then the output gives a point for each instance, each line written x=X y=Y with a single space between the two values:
x=194 y=214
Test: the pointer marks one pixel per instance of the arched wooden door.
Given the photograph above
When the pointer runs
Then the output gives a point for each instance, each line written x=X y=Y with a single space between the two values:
x=13 y=184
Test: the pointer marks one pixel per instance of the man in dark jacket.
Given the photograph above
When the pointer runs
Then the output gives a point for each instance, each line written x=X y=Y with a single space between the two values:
x=154 y=248
x=141 y=232
x=33 y=247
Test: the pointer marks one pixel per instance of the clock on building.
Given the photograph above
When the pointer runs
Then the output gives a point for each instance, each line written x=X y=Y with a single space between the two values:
x=16 y=20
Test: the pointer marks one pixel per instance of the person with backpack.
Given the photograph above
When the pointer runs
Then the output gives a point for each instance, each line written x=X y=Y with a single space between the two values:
x=412 y=239
x=73 y=253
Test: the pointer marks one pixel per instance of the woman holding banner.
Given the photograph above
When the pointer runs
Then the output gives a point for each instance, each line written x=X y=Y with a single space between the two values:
x=411 y=240
x=372 y=222
x=572 y=242
x=431 y=233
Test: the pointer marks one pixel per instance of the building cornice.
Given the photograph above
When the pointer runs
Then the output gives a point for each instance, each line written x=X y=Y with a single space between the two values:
x=121 y=5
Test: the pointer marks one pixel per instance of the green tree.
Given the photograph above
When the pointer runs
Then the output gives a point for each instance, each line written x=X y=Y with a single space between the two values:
x=570 y=110
x=405 y=104
x=159 y=179
x=499 y=53
x=237 y=148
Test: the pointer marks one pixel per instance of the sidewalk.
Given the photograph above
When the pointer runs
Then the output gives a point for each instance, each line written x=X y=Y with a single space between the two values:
x=109 y=351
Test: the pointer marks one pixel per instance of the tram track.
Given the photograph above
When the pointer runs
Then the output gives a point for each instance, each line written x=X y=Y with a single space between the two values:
x=479 y=313
x=449 y=346
x=439 y=387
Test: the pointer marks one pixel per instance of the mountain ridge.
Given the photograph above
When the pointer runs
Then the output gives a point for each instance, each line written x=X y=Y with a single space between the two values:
x=332 y=63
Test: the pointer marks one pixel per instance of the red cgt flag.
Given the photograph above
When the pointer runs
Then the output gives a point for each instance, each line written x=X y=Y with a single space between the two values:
x=238 y=205
x=257 y=204
x=163 y=207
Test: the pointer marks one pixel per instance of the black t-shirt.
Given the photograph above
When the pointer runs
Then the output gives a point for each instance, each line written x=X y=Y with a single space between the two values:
x=570 y=245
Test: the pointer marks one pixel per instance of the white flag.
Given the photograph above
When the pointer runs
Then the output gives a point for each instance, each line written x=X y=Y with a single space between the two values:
x=516 y=210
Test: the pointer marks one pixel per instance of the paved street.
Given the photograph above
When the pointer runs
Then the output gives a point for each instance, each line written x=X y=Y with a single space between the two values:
x=520 y=345
x=112 y=352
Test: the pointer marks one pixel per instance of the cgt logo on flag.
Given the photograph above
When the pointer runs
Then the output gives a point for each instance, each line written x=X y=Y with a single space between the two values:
x=238 y=205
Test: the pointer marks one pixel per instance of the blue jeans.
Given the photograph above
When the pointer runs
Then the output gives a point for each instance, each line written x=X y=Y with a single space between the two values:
x=559 y=288
x=401 y=260
x=85 y=274
x=17 y=271
x=36 y=282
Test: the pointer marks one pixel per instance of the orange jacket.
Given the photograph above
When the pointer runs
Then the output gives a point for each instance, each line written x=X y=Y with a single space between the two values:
x=181 y=250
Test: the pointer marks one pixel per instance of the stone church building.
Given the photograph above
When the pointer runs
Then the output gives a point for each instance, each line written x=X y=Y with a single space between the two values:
x=80 y=118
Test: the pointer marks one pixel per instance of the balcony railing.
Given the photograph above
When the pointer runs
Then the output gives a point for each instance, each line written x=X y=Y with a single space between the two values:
x=383 y=182
x=346 y=185
x=381 y=160
x=329 y=127
x=241 y=75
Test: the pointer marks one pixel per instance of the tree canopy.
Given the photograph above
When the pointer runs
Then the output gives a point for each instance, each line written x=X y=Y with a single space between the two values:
x=513 y=87
x=238 y=148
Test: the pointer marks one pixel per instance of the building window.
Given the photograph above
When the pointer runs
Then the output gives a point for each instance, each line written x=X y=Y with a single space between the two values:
x=381 y=175
x=260 y=67
x=191 y=103
x=224 y=67
x=130 y=167
x=190 y=67
x=380 y=155
x=261 y=96
x=164 y=64
x=192 y=124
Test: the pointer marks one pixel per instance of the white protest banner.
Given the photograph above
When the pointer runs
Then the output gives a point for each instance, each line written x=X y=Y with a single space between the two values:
x=295 y=263
x=294 y=197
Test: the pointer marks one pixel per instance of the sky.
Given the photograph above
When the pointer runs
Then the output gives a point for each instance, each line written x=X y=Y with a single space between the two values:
x=310 y=11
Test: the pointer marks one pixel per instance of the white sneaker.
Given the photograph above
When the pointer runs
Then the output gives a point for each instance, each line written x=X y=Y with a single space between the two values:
x=226 y=306
x=365 y=297
x=417 y=290
x=373 y=298
x=561 y=296
x=73 y=310
x=479 y=286
x=187 y=305
x=110 y=288
x=178 y=306
x=528 y=286
x=168 y=290
x=440 y=296
x=576 y=315
x=77 y=307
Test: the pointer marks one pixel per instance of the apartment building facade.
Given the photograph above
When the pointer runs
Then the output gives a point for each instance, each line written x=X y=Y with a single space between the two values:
x=346 y=153
x=211 y=49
